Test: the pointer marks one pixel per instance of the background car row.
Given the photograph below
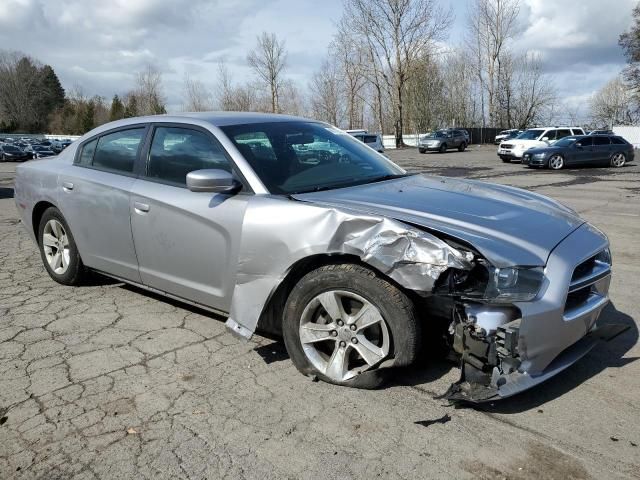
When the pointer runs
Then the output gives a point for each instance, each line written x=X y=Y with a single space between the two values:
x=27 y=148
x=557 y=147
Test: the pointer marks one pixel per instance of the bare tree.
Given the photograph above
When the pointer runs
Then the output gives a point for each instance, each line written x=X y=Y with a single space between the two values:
x=326 y=93
x=148 y=91
x=398 y=33
x=196 y=96
x=493 y=23
x=351 y=57
x=268 y=61
x=230 y=97
x=613 y=105
x=533 y=91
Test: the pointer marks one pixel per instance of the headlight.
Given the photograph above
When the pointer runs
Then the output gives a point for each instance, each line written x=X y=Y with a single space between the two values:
x=498 y=285
x=514 y=284
x=539 y=156
x=605 y=256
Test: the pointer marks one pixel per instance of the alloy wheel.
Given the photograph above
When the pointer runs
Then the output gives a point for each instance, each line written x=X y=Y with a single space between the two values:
x=556 y=162
x=55 y=243
x=343 y=334
x=618 y=160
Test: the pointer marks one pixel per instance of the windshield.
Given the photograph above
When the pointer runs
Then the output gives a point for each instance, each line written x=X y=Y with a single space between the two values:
x=436 y=135
x=297 y=157
x=530 y=134
x=565 y=142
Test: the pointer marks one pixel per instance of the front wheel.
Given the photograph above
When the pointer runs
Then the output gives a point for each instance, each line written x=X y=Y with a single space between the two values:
x=618 y=160
x=341 y=322
x=462 y=147
x=58 y=249
x=556 y=162
x=443 y=148
x=421 y=150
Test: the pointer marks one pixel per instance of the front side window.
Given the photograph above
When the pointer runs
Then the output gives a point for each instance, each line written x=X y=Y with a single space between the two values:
x=176 y=151
x=563 y=133
x=584 y=142
x=297 y=157
x=600 y=140
x=117 y=152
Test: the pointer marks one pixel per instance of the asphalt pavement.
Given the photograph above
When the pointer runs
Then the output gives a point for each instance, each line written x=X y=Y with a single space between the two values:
x=107 y=381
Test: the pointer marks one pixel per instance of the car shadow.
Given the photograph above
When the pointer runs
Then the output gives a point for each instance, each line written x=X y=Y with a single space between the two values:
x=6 y=192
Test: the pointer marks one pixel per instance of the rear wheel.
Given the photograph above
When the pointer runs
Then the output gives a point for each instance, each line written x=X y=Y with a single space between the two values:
x=58 y=249
x=618 y=160
x=505 y=160
x=443 y=148
x=556 y=162
x=421 y=150
x=341 y=322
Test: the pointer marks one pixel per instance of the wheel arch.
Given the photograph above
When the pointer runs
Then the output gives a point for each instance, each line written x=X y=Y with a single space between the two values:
x=270 y=321
x=38 y=210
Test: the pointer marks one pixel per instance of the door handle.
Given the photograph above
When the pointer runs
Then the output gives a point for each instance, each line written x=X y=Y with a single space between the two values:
x=141 y=207
x=67 y=186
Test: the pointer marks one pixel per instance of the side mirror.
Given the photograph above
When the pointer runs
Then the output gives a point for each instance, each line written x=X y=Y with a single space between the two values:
x=545 y=139
x=578 y=146
x=212 y=180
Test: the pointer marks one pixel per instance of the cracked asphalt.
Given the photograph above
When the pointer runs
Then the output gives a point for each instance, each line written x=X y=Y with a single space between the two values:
x=107 y=381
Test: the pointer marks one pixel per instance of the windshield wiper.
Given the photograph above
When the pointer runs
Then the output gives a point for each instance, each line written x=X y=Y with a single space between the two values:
x=390 y=177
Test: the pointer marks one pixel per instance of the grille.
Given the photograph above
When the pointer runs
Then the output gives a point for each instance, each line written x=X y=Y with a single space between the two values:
x=507 y=145
x=582 y=296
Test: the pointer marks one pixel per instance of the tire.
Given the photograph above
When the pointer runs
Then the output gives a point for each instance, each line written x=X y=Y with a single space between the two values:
x=421 y=150
x=443 y=148
x=618 y=160
x=505 y=160
x=58 y=249
x=393 y=331
x=2 y=158
x=462 y=146
x=556 y=162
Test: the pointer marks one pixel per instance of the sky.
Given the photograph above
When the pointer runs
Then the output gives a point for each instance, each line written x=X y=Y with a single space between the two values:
x=99 y=45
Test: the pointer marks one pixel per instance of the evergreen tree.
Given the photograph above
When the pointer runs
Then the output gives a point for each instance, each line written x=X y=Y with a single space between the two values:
x=117 y=109
x=131 y=109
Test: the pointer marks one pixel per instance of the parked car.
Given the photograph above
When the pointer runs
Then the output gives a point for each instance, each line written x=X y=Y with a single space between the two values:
x=11 y=153
x=350 y=258
x=591 y=149
x=372 y=140
x=514 y=148
x=601 y=132
x=39 y=151
x=506 y=134
x=443 y=140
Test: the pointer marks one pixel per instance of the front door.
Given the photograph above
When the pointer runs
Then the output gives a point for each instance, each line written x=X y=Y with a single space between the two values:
x=186 y=242
x=581 y=152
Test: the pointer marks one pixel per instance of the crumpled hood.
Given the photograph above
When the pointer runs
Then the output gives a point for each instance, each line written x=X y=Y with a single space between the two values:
x=509 y=226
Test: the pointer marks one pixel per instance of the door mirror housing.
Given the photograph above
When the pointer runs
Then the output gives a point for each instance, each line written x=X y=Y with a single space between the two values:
x=212 y=180
x=545 y=139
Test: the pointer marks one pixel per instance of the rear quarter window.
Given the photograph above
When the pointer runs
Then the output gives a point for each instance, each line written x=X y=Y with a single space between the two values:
x=86 y=153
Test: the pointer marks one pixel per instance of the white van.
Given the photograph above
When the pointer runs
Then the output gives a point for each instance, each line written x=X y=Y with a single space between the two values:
x=514 y=148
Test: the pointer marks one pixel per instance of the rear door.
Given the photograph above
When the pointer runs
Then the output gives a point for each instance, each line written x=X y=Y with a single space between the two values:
x=187 y=242
x=95 y=196
x=601 y=149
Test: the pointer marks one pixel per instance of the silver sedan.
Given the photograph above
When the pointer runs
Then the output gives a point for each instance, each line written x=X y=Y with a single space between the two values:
x=293 y=226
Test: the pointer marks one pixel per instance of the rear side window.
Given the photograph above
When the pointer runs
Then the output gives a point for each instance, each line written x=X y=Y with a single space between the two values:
x=600 y=140
x=370 y=139
x=578 y=131
x=117 y=152
x=177 y=151
x=617 y=141
x=86 y=154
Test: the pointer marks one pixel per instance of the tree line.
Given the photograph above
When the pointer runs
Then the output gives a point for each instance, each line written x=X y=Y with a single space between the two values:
x=387 y=69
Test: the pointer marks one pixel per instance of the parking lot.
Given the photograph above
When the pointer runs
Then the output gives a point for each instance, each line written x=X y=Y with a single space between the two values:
x=108 y=381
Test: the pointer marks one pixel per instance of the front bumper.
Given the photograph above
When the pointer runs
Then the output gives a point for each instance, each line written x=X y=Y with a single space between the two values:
x=528 y=159
x=510 y=153
x=431 y=147
x=505 y=351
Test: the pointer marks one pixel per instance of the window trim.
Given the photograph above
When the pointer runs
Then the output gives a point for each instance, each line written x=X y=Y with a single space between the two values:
x=136 y=161
x=144 y=163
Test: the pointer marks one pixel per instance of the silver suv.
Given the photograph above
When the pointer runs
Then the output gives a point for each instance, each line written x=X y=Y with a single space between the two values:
x=372 y=140
x=443 y=140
